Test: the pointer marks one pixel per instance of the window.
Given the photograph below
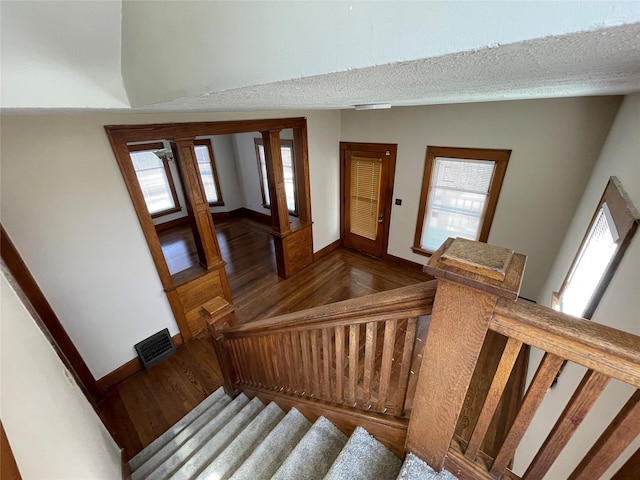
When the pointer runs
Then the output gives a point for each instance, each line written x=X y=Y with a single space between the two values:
x=608 y=235
x=207 y=167
x=460 y=190
x=286 y=150
x=151 y=164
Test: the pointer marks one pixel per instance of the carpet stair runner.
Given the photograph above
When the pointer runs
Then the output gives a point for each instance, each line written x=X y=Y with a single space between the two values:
x=243 y=439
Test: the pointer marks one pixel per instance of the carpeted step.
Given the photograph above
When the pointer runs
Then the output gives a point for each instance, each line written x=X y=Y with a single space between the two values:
x=415 y=469
x=173 y=444
x=314 y=454
x=151 y=449
x=364 y=458
x=208 y=450
x=244 y=444
x=187 y=449
x=273 y=451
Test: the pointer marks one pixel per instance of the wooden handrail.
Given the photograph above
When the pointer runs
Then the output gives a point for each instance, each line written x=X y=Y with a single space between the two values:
x=597 y=347
x=399 y=303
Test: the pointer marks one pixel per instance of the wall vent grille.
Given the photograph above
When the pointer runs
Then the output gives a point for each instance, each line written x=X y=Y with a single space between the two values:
x=155 y=348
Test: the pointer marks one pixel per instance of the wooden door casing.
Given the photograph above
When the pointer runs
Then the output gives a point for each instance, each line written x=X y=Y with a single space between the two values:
x=386 y=153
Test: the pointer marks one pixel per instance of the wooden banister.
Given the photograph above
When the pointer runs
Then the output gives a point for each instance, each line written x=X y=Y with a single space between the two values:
x=598 y=347
x=477 y=308
x=384 y=304
x=354 y=361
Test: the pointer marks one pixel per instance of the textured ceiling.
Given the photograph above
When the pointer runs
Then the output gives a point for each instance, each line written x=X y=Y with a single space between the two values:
x=602 y=62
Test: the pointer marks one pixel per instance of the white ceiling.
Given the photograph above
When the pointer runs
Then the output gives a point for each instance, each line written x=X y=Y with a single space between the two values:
x=185 y=55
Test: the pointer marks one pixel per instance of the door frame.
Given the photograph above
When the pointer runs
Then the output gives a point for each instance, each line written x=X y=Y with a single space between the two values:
x=293 y=241
x=387 y=186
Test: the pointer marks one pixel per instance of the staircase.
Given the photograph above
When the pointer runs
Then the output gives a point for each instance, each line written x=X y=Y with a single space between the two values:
x=224 y=438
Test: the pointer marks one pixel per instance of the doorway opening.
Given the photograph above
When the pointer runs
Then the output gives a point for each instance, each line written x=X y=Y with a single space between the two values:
x=175 y=174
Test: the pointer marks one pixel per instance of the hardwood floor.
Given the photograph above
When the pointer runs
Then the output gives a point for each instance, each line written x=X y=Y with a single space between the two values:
x=142 y=407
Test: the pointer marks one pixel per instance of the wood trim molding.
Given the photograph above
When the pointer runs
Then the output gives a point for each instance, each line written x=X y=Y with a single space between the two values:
x=256 y=216
x=178 y=222
x=123 y=372
x=323 y=252
x=408 y=264
x=8 y=466
x=47 y=319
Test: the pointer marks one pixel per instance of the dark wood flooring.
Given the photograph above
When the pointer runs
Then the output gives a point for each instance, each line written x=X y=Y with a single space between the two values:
x=142 y=407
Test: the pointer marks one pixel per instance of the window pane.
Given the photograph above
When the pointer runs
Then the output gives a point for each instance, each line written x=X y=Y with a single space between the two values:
x=593 y=260
x=289 y=186
x=457 y=200
x=206 y=172
x=288 y=172
x=153 y=181
x=263 y=175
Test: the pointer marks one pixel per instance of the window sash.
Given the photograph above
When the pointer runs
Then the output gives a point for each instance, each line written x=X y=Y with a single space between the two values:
x=288 y=171
x=208 y=172
x=460 y=191
x=608 y=235
x=154 y=177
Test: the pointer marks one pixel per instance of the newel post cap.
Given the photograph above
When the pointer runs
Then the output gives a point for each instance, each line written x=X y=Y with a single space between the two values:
x=478 y=265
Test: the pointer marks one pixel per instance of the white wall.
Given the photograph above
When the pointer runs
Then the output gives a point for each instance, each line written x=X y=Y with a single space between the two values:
x=248 y=173
x=53 y=430
x=618 y=307
x=554 y=146
x=63 y=54
x=65 y=206
x=289 y=40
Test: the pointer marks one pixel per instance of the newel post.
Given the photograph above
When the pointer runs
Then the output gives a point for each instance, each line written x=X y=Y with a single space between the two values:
x=217 y=314
x=471 y=277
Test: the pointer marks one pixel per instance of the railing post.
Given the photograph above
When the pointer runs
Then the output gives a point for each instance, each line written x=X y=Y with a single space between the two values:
x=471 y=277
x=217 y=314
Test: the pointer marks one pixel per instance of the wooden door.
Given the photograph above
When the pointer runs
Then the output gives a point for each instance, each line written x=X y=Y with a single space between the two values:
x=367 y=172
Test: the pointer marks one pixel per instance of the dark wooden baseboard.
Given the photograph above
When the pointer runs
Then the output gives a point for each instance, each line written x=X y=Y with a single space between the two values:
x=403 y=262
x=237 y=213
x=125 y=469
x=123 y=372
x=390 y=431
x=256 y=216
x=323 y=252
x=178 y=222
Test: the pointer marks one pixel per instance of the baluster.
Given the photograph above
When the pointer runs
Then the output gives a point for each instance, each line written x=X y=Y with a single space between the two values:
x=544 y=377
x=369 y=361
x=615 y=439
x=387 y=362
x=315 y=360
x=339 y=363
x=326 y=363
x=405 y=367
x=354 y=347
x=592 y=384
x=500 y=379
x=306 y=361
x=297 y=363
x=288 y=355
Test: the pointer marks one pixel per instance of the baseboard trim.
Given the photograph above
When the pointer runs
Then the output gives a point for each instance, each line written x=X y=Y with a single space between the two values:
x=178 y=222
x=219 y=216
x=403 y=262
x=323 y=252
x=125 y=469
x=123 y=372
x=256 y=216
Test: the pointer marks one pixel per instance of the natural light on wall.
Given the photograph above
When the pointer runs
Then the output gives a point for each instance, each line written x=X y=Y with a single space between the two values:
x=592 y=262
